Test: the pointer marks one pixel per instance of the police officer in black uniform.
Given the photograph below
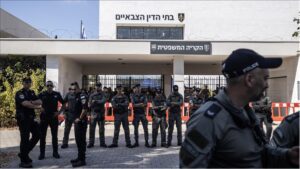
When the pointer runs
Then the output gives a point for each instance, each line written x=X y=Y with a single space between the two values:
x=26 y=102
x=120 y=107
x=174 y=102
x=286 y=134
x=139 y=103
x=69 y=105
x=263 y=112
x=80 y=124
x=49 y=117
x=97 y=115
x=224 y=132
x=159 y=106
x=195 y=101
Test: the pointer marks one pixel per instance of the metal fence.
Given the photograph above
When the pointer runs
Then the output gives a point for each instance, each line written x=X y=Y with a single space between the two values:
x=127 y=81
x=212 y=81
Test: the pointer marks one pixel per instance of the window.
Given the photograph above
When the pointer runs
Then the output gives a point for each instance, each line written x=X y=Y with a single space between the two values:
x=136 y=33
x=123 y=33
x=163 y=33
x=149 y=32
x=176 y=33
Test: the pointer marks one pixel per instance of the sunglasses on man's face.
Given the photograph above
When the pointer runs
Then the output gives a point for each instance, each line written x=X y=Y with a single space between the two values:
x=27 y=82
x=49 y=85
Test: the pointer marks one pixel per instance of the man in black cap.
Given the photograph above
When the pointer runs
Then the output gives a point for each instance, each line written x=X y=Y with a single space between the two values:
x=205 y=92
x=195 y=101
x=120 y=109
x=225 y=132
x=159 y=106
x=49 y=117
x=26 y=102
x=97 y=115
x=78 y=104
x=139 y=103
x=174 y=102
x=263 y=110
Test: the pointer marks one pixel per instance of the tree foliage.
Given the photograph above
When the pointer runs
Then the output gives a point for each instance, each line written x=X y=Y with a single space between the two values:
x=297 y=32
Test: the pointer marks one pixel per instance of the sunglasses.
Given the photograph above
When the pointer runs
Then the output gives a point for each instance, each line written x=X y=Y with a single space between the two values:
x=49 y=85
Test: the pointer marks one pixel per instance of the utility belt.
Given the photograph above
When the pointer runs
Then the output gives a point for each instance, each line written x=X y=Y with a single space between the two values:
x=121 y=110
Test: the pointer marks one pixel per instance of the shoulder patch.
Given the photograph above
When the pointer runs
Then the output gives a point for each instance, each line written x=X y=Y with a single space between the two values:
x=292 y=117
x=21 y=96
x=212 y=111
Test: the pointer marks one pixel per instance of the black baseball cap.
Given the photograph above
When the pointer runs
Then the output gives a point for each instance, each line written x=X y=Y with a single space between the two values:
x=99 y=84
x=175 y=87
x=242 y=61
x=136 y=86
x=27 y=80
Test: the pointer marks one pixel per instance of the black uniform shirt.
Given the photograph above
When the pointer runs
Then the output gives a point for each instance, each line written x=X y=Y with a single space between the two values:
x=137 y=99
x=159 y=101
x=178 y=99
x=21 y=96
x=50 y=101
x=70 y=98
x=120 y=104
x=97 y=101
x=81 y=103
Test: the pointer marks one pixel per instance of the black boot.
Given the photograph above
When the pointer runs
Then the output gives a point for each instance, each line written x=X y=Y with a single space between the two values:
x=25 y=165
x=64 y=146
x=113 y=146
x=103 y=145
x=164 y=145
x=79 y=163
x=147 y=144
x=153 y=145
x=90 y=145
x=74 y=160
x=136 y=144
x=42 y=156
x=56 y=155
x=26 y=160
x=130 y=146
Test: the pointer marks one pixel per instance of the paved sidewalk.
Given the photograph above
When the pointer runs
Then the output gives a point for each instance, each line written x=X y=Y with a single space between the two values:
x=97 y=157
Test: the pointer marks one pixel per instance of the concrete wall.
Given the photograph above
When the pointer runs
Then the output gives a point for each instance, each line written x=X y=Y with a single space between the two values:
x=63 y=71
x=295 y=94
x=206 y=20
x=70 y=71
x=283 y=81
x=13 y=27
